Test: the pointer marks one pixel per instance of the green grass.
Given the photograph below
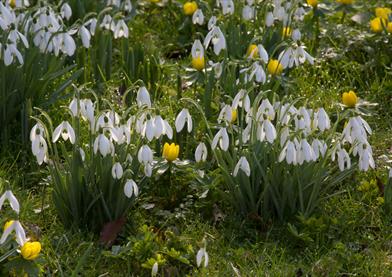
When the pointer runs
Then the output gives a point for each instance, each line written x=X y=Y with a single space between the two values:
x=349 y=235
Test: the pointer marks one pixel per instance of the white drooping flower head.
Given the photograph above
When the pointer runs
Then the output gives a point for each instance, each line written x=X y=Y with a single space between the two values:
x=64 y=130
x=201 y=152
x=20 y=235
x=222 y=138
x=182 y=117
x=198 y=17
x=217 y=38
x=143 y=97
x=202 y=253
x=103 y=145
x=241 y=99
x=66 y=11
x=117 y=171
x=8 y=195
x=145 y=154
x=242 y=164
x=197 y=49
x=131 y=188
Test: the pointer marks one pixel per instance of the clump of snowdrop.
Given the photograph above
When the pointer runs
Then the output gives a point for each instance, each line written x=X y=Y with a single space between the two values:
x=49 y=29
x=93 y=153
x=281 y=145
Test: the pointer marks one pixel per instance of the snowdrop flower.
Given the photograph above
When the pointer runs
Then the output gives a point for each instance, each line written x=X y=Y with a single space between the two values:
x=66 y=11
x=120 y=134
x=103 y=144
x=322 y=120
x=201 y=152
x=121 y=30
x=8 y=195
x=223 y=138
x=198 y=17
x=303 y=56
x=305 y=152
x=299 y=14
x=366 y=158
x=217 y=67
x=217 y=38
x=319 y=148
x=303 y=121
x=93 y=24
x=390 y=173
x=212 y=22
x=7 y=17
x=162 y=127
x=296 y=35
x=248 y=12
x=263 y=53
x=265 y=110
x=82 y=154
x=183 y=116
x=107 y=23
x=154 y=269
x=289 y=153
x=202 y=253
x=145 y=154
x=258 y=72
x=279 y=13
x=39 y=148
x=131 y=188
x=115 y=3
x=85 y=36
x=242 y=164
x=197 y=49
x=143 y=97
x=117 y=171
x=20 y=234
x=344 y=160
x=67 y=44
x=128 y=6
x=266 y=130
x=10 y=52
x=227 y=114
x=148 y=130
x=356 y=130
x=269 y=19
x=87 y=110
x=37 y=130
x=241 y=99
x=66 y=131
x=227 y=6
x=148 y=169
x=14 y=36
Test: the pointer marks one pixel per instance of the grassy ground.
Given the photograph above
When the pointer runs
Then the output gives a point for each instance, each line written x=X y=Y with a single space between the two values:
x=349 y=235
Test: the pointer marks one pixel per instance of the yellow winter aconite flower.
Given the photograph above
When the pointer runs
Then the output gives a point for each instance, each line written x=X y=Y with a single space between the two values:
x=312 y=3
x=7 y=224
x=376 y=24
x=349 y=99
x=190 y=7
x=286 y=32
x=389 y=27
x=383 y=12
x=346 y=2
x=198 y=63
x=252 y=52
x=12 y=3
x=234 y=115
x=274 y=67
x=30 y=250
x=171 y=151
